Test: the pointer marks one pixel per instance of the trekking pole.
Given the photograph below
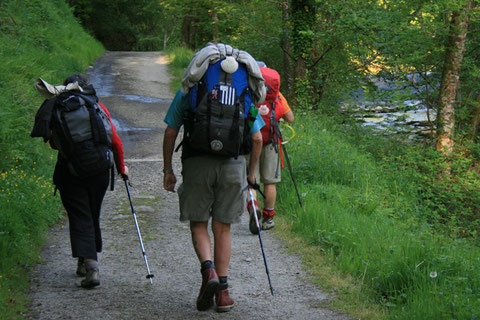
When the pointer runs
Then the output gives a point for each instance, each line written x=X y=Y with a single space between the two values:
x=291 y=174
x=260 y=238
x=149 y=275
x=288 y=164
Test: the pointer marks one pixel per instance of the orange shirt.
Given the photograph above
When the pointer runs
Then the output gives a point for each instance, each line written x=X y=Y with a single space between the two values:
x=286 y=107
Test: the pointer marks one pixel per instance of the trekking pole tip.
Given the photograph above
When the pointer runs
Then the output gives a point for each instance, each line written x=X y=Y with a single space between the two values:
x=149 y=277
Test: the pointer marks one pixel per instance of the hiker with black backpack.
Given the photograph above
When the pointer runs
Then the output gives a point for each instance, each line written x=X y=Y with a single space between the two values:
x=268 y=170
x=80 y=128
x=216 y=108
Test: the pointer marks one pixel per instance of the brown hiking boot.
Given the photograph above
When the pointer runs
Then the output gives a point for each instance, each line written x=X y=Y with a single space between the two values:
x=209 y=286
x=91 y=280
x=223 y=301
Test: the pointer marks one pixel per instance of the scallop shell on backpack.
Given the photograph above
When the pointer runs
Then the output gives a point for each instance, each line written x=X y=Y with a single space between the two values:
x=229 y=65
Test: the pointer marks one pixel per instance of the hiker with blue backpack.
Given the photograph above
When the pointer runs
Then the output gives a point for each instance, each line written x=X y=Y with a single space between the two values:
x=268 y=170
x=73 y=121
x=216 y=107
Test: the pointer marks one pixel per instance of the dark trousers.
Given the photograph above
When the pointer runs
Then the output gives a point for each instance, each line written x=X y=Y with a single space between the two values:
x=82 y=199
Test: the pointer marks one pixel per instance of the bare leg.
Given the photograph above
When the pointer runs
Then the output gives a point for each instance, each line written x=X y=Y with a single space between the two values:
x=270 y=196
x=222 y=249
x=201 y=240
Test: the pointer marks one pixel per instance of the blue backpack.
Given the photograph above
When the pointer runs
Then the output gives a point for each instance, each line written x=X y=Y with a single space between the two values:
x=219 y=109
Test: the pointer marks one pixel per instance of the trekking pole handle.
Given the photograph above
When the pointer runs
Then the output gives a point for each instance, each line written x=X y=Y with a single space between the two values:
x=255 y=186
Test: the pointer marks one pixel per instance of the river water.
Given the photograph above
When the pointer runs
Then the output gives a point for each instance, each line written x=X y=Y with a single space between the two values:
x=409 y=116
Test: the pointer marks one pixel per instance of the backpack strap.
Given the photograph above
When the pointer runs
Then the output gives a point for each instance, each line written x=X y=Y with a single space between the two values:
x=95 y=126
x=234 y=129
x=99 y=133
x=209 y=119
x=273 y=121
x=112 y=178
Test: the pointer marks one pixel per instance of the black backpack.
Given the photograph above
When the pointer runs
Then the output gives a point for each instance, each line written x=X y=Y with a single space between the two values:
x=219 y=109
x=82 y=132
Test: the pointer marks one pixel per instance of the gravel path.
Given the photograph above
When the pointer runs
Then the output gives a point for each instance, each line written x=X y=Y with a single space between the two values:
x=134 y=86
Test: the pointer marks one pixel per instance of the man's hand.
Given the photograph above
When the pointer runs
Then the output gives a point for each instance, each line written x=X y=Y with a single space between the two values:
x=251 y=181
x=125 y=173
x=169 y=181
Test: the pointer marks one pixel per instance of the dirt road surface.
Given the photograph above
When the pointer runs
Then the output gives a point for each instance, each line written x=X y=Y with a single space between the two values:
x=134 y=87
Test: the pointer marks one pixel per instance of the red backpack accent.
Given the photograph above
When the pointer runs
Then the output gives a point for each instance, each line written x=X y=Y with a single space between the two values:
x=272 y=101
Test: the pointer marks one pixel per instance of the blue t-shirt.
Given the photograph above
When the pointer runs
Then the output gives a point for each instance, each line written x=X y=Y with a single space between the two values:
x=179 y=110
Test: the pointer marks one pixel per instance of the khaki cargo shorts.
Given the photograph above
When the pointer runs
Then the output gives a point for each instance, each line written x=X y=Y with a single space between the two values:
x=213 y=187
x=268 y=169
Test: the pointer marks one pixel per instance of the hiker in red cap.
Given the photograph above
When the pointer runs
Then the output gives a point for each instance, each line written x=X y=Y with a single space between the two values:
x=268 y=170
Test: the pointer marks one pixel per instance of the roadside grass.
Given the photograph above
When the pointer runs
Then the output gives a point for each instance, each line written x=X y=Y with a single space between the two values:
x=346 y=294
x=37 y=39
x=179 y=59
x=366 y=220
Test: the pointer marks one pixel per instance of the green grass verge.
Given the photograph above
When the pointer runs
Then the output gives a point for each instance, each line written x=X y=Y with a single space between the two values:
x=37 y=39
x=367 y=221
x=179 y=59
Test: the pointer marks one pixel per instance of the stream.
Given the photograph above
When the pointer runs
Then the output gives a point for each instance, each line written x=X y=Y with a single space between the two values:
x=409 y=116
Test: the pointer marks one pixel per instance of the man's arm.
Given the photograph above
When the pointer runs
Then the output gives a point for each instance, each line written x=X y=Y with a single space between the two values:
x=288 y=116
x=169 y=179
x=257 y=143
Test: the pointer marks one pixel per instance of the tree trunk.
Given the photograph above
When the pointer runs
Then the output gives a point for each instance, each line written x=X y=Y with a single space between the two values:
x=165 y=39
x=476 y=118
x=188 y=31
x=216 y=34
x=303 y=18
x=450 y=78
x=285 y=44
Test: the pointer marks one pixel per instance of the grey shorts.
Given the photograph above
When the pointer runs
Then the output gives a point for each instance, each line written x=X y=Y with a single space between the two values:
x=213 y=187
x=268 y=169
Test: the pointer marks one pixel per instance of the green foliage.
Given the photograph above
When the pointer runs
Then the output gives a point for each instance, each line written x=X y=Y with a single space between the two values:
x=37 y=39
x=368 y=218
x=179 y=60
x=453 y=200
x=451 y=203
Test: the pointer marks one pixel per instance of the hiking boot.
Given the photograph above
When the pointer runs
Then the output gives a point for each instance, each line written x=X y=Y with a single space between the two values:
x=91 y=280
x=267 y=224
x=268 y=215
x=252 y=225
x=81 y=270
x=209 y=286
x=223 y=301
